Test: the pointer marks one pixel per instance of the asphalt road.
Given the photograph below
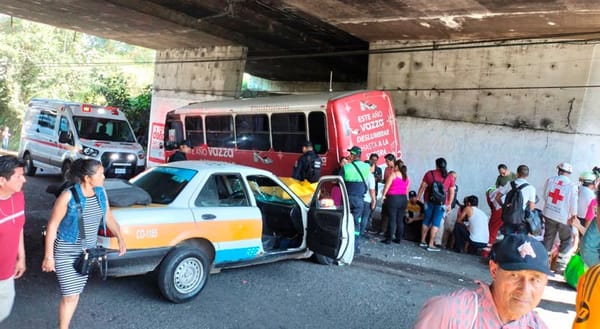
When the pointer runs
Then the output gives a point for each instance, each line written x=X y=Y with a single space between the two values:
x=384 y=288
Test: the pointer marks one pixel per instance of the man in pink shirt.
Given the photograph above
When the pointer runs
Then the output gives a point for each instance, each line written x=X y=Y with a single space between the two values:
x=12 y=219
x=519 y=270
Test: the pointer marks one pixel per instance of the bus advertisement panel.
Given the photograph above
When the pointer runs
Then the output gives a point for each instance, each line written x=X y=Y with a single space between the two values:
x=268 y=132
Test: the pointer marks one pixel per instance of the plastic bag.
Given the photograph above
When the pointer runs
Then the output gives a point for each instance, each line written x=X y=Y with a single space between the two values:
x=575 y=269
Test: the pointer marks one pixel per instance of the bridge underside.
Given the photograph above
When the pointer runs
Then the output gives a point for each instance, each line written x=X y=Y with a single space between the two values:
x=303 y=40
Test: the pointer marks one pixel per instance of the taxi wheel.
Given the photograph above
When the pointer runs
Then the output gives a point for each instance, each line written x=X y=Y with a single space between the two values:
x=323 y=260
x=183 y=274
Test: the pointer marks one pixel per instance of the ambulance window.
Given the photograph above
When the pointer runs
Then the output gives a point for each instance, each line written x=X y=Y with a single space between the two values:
x=317 y=130
x=64 y=125
x=194 y=130
x=47 y=120
x=219 y=131
x=252 y=132
x=289 y=131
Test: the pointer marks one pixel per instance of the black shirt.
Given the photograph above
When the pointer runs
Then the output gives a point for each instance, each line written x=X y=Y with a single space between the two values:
x=177 y=156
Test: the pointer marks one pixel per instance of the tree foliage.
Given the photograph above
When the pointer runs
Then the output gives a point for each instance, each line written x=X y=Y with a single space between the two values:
x=42 y=61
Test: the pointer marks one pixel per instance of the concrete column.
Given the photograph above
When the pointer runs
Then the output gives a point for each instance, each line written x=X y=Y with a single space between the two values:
x=481 y=106
x=183 y=76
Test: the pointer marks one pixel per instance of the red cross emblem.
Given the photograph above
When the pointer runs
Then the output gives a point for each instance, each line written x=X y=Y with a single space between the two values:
x=555 y=195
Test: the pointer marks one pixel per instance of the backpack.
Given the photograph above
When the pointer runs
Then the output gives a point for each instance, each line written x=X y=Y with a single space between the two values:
x=437 y=191
x=512 y=208
x=314 y=169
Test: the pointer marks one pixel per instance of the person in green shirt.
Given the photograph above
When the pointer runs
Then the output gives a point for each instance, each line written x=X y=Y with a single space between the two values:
x=504 y=176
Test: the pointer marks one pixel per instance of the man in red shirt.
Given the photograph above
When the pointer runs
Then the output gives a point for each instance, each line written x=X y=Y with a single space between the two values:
x=12 y=219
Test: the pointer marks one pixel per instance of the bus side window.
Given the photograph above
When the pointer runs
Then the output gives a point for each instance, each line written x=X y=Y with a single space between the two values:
x=219 y=131
x=317 y=130
x=289 y=131
x=252 y=132
x=194 y=129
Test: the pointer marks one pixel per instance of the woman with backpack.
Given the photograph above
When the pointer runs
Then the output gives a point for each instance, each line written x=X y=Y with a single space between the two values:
x=437 y=189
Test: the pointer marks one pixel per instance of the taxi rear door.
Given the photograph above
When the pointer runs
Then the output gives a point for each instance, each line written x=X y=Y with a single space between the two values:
x=330 y=228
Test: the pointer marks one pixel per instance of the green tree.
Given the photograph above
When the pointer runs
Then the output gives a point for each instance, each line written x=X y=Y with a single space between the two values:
x=38 y=60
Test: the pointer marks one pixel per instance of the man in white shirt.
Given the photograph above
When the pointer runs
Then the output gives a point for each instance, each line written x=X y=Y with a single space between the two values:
x=560 y=209
x=472 y=227
x=528 y=193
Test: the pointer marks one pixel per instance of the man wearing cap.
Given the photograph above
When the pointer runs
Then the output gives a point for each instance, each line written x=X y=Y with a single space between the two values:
x=355 y=174
x=184 y=148
x=308 y=166
x=415 y=212
x=519 y=270
x=560 y=209
x=586 y=201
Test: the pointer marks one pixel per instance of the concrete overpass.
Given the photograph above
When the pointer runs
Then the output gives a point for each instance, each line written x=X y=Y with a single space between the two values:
x=486 y=81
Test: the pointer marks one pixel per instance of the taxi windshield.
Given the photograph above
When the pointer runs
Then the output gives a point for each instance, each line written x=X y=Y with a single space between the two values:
x=164 y=183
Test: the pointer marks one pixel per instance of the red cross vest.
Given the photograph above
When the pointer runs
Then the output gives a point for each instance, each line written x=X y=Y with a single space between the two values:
x=560 y=196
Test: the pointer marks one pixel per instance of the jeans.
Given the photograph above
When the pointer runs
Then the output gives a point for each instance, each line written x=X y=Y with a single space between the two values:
x=356 y=209
x=396 y=208
x=434 y=214
x=364 y=218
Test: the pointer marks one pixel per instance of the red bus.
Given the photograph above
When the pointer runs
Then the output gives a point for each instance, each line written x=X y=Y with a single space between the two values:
x=268 y=132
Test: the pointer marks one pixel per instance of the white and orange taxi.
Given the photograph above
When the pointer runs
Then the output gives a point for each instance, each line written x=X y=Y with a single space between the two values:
x=207 y=216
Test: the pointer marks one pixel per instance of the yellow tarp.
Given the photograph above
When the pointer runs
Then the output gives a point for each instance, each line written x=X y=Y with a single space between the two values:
x=304 y=189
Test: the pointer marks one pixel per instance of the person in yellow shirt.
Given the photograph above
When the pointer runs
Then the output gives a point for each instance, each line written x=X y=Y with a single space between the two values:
x=588 y=300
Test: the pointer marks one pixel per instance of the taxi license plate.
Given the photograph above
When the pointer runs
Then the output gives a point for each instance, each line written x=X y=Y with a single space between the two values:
x=120 y=171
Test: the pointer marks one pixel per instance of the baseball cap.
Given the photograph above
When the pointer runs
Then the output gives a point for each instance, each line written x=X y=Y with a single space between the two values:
x=355 y=150
x=518 y=252
x=307 y=143
x=565 y=166
x=412 y=194
x=187 y=142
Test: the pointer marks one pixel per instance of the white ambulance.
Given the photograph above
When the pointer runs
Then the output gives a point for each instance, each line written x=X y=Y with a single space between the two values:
x=57 y=132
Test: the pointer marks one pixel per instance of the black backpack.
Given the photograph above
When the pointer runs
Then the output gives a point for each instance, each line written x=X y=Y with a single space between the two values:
x=512 y=208
x=314 y=169
x=437 y=191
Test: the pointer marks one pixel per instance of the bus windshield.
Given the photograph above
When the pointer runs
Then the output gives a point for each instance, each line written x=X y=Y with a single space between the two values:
x=104 y=129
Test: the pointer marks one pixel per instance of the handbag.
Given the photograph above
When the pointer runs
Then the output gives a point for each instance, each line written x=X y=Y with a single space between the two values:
x=90 y=259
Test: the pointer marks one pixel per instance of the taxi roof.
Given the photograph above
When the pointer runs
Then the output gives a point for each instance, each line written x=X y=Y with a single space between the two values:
x=211 y=166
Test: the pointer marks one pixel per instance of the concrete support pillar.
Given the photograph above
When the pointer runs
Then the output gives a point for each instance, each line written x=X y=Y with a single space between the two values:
x=515 y=103
x=183 y=76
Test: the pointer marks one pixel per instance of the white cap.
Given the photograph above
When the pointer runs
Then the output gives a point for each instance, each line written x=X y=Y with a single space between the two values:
x=565 y=166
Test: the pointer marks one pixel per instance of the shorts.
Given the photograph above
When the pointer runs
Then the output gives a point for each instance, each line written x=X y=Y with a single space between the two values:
x=434 y=213
x=7 y=297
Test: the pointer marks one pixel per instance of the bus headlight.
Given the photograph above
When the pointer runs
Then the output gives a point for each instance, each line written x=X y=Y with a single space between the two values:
x=91 y=152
